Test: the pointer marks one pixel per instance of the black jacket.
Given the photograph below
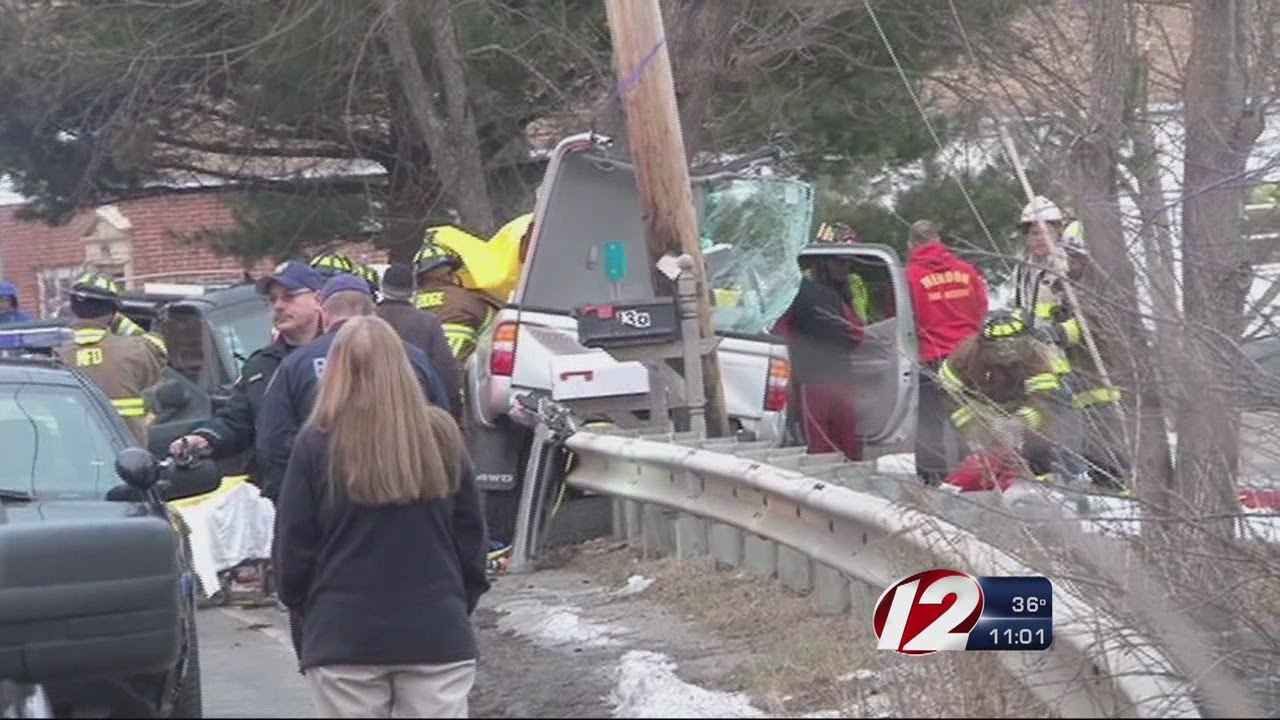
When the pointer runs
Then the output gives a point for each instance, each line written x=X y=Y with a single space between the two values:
x=292 y=393
x=822 y=332
x=387 y=585
x=233 y=428
x=423 y=330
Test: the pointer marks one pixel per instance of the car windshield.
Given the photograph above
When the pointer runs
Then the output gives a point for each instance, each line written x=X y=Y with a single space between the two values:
x=244 y=326
x=54 y=443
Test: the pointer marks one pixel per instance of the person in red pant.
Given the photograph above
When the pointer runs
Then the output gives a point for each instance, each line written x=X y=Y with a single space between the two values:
x=950 y=300
x=822 y=330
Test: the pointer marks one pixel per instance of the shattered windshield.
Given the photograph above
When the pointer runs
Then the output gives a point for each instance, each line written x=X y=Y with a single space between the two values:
x=53 y=443
x=245 y=327
x=753 y=228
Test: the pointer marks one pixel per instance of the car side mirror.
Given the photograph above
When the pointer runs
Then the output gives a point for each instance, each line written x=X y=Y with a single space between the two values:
x=184 y=481
x=137 y=468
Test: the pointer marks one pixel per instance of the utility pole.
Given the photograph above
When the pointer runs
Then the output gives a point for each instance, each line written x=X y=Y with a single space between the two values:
x=648 y=95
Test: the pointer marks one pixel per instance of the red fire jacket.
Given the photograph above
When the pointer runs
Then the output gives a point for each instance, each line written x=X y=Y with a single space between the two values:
x=949 y=297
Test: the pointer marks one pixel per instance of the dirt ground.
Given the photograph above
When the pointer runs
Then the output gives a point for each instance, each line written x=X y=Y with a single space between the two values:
x=564 y=645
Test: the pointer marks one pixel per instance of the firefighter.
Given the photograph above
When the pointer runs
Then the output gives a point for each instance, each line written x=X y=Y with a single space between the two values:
x=1108 y=461
x=822 y=331
x=463 y=312
x=1002 y=385
x=858 y=292
x=99 y=285
x=329 y=264
x=369 y=275
x=121 y=365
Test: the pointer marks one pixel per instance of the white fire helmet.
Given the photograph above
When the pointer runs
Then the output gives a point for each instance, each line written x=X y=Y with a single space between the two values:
x=1040 y=208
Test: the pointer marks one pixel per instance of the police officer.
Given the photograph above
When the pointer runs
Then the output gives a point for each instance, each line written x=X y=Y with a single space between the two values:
x=291 y=393
x=99 y=285
x=121 y=365
x=293 y=291
x=463 y=312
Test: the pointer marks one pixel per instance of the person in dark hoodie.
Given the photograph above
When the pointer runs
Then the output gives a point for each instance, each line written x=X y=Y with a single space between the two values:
x=419 y=327
x=822 y=330
x=380 y=541
x=9 y=312
x=950 y=300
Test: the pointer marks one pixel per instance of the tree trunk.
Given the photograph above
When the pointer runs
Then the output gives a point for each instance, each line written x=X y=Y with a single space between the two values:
x=1155 y=232
x=1221 y=129
x=454 y=146
x=1112 y=290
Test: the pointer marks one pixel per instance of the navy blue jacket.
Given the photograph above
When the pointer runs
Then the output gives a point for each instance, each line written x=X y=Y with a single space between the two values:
x=387 y=585
x=291 y=394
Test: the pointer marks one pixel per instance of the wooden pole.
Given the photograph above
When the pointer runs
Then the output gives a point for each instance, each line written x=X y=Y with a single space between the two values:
x=662 y=175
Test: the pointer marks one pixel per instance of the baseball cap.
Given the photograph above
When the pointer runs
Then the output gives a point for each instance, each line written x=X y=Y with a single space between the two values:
x=343 y=282
x=397 y=282
x=292 y=275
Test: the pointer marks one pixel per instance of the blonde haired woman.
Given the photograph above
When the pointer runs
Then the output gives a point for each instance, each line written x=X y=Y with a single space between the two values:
x=380 y=545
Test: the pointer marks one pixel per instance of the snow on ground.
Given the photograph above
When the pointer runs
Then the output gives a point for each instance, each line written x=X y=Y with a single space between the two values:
x=582 y=647
x=649 y=688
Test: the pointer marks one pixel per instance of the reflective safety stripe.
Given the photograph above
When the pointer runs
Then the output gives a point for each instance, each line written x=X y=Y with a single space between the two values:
x=89 y=336
x=125 y=326
x=157 y=341
x=948 y=379
x=963 y=416
x=1060 y=366
x=1044 y=382
x=130 y=407
x=1031 y=416
x=1072 y=329
x=1045 y=310
x=1045 y=477
x=459 y=337
x=1097 y=396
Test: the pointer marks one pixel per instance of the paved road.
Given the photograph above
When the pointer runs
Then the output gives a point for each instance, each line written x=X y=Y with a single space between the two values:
x=247 y=666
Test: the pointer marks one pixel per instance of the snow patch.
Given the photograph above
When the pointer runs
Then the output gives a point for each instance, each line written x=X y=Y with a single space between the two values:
x=648 y=688
x=861 y=675
x=636 y=584
x=553 y=624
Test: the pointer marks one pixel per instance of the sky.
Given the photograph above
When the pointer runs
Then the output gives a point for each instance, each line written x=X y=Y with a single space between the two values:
x=7 y=196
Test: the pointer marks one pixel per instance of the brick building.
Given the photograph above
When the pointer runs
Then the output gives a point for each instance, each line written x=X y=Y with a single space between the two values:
x=136 y=241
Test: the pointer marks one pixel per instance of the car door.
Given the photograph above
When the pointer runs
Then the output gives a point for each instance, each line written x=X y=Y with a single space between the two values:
x=886 y=362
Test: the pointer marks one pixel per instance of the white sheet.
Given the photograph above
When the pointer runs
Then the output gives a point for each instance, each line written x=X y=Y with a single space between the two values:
x=225 y=530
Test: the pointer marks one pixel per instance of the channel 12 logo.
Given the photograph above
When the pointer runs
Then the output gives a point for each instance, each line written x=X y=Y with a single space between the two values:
x=939 y=610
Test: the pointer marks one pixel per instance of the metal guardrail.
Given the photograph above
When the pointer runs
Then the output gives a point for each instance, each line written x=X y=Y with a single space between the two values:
x=1097 y=666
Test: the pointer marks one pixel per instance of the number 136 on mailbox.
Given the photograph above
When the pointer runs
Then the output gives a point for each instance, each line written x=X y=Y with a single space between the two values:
x=949 y=610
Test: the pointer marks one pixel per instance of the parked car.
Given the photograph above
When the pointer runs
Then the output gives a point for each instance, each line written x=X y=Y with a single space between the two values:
x=588 y=218
x=208 y=336
x=97 y=592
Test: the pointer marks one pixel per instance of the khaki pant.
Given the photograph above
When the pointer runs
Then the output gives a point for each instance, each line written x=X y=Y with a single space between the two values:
x=392 y=691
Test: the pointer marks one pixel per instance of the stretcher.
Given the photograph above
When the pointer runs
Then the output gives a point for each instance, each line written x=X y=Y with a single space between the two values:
x=229 y=533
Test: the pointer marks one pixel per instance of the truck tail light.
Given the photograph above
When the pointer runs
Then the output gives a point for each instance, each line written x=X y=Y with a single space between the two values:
x=502 y=359
x=777 y=389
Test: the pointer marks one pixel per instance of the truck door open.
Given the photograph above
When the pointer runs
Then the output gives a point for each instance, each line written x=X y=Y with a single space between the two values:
x=886 y=363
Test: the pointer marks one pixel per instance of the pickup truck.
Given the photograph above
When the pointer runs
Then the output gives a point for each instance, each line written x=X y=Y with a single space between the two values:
x=587 y=202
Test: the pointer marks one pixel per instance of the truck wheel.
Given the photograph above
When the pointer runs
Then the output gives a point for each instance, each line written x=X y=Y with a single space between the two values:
x=190 y=703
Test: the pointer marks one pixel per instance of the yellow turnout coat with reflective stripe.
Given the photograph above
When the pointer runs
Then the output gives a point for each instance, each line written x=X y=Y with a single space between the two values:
x=121 y=365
